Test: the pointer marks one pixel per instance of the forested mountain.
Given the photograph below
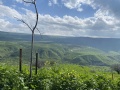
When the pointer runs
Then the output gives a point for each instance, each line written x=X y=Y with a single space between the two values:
x=77 y=50
x=62 y=53
x=106 y=44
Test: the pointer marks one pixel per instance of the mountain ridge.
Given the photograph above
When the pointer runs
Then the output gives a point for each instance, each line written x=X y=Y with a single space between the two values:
x=105 y=44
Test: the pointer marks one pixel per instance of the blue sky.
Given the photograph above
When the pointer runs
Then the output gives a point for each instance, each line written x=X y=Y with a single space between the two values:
x=86 y=18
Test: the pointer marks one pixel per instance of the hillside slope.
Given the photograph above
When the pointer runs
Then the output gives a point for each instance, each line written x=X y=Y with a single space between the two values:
x=81 y=55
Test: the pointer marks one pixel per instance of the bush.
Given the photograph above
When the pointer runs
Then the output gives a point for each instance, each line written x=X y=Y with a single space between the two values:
x=55 y=78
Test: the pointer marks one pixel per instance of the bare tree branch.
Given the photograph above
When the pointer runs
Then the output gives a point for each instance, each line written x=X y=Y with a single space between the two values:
x=39 y=32
x=24 y=23
x=32 y=30
x=32 y=2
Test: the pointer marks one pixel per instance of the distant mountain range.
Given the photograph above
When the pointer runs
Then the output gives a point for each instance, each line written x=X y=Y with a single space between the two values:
x=105 y=44
x=77 y=50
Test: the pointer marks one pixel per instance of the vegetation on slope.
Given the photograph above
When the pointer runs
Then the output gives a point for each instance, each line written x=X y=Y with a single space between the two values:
x=81 y=55
x=58 y=77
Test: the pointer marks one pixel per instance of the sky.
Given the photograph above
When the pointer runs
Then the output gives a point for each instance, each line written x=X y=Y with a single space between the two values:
x=77 y=18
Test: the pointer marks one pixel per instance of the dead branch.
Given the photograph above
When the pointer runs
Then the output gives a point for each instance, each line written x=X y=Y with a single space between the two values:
x=32 y=1
x=39 y=32
x=24 y=23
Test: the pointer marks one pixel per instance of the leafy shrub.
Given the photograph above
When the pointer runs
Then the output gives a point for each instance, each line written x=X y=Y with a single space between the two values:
x=60 y=77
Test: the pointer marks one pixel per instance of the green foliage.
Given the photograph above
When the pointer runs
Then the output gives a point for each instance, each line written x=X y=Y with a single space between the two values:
x=82 y=55
x=57 y=77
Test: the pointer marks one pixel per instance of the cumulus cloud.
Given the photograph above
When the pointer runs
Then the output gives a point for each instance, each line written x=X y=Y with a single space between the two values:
x=72 y=4
x=7 y=26
x=9 y=12
x=74 y=26
x=7 y=19
x=76 y=4
x=104 y=23
x=112 y=6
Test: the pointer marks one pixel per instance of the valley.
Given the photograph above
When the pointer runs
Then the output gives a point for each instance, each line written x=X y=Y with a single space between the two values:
x=62 y=53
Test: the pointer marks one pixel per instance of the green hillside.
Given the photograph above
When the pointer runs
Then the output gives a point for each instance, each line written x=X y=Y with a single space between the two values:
x=64 y=53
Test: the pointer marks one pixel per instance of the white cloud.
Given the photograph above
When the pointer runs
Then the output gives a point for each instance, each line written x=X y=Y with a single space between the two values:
x=112 y=6
x=20 y=1
x=55 y=1
x=7 y=26
x=52 y=2
x=80 y=9
x=102 y=24
x=8 y=12
x=75 y=26
x=75 y=4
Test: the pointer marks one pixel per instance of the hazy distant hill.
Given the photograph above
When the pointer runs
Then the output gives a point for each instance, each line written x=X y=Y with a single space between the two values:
x=106 y=44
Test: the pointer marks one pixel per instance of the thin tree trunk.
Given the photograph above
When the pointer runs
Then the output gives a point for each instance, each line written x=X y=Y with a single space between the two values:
x=20 y=60
x=31 y=59
x=32 y=42
x=36 y=63
x=32 y=30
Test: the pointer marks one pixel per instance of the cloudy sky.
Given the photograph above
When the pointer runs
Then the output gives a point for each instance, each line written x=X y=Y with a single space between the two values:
x=87 y=18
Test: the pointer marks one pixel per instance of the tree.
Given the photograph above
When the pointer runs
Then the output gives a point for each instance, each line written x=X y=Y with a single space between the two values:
x=33 y=2
x=116 y=67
